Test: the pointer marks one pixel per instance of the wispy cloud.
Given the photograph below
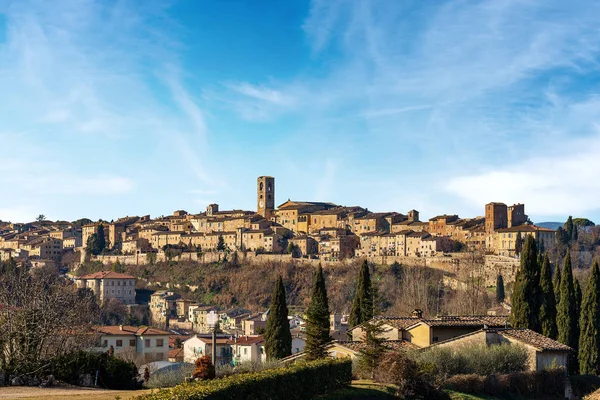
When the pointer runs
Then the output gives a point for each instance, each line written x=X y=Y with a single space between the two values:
x=85 y=81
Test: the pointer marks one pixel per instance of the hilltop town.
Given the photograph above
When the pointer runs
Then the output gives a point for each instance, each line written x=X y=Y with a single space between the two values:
x=302 y=229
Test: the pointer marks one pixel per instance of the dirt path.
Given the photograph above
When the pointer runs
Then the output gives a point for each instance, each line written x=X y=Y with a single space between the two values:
x=56 y=393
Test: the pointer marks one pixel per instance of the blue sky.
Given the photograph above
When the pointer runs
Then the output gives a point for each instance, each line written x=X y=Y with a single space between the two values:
x=113 y=108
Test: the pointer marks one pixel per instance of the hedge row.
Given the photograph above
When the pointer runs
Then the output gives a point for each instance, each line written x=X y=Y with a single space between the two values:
x=113 y=372
x=298 y=381
x=546 y=384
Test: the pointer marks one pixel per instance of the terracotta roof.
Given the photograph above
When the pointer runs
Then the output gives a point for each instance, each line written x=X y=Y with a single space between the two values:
x=393 y=345
x=248 y=340
x=525 y=228
x=534 y=339
x=175 y=353
x=128 y=330
x=219 y=340
x=400 y=322
x=452 y=320
x=106 y=275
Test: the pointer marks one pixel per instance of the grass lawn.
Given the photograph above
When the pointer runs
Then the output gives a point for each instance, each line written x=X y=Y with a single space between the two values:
x=362 y=390
x=452 y=395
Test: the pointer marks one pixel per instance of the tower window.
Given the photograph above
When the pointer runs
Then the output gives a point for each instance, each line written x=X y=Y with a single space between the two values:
x=261 y=186
x=269 y=187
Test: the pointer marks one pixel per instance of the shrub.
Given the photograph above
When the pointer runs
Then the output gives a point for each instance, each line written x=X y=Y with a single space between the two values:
x=412 y=380
x=113 y=372
x=546 y=384
x=169 y=377
x=584 y=384
x=475 y=359
x=298 y=381
x=204 y=369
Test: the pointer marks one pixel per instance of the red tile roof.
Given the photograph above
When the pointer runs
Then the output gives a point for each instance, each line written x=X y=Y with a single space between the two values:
x=128 y=330
x=106 y=275
x=534 y=339
x=393 y=345
x=248 y=340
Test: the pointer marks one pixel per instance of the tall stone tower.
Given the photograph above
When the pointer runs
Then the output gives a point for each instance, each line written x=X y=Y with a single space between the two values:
x=265 y=196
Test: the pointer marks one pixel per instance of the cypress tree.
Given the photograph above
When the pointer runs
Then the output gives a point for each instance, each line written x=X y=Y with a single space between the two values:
x=567 y=319
x=589 y=322
x=519 y=244
x=548 y=307
x=556 y=283
x=578 y=299
x=100 y=239
x=499 y=289
x=569 y=228
x=362 y=307
x=317 y=319
x=278 y=338
x=526 y=294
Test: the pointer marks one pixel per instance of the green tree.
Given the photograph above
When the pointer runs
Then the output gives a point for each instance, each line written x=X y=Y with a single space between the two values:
x=317 y=319
x=100 y=239
x=583 y=222
x=578 y=296
x=526 y=294
x=278 y=339
x=569 y=228
x=519 y=244
x=567 y=318
x=556 y=283
x=41 y=218
x=589 y=322
x=220 y=243
x=362 y=306
x=117 y=266
x=548 y=307
x=499 y=289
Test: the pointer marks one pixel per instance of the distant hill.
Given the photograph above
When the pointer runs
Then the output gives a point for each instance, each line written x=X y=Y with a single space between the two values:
x=550 y=225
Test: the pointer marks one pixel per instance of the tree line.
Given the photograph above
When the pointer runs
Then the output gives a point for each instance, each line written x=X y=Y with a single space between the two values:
x=278 y=338
x=556 y=307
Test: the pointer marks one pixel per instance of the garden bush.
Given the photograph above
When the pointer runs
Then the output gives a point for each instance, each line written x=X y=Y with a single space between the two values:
x=113 y=372
x=298 y=381
x=413 y=381
x=475 y=359
x=545 y=384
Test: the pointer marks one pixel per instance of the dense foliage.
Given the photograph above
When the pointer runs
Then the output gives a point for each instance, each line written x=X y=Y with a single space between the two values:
x=526 y=296
x=113 y=372
x=317 y=319
x=567 y=320
x=278 y=338
x=362 y=306
x=500 y=295
x=475 y=359
x=545 y=384
x=589 y=338
x=295 y=382
x=548 y=306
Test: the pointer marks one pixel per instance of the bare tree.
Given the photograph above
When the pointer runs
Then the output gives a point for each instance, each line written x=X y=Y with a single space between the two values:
x=42 y=315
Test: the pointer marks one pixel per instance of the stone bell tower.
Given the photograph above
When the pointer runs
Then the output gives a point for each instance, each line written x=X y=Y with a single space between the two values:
x=265 y=196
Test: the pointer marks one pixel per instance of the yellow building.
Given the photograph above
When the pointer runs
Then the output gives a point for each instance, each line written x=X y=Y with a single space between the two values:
x=504 y=240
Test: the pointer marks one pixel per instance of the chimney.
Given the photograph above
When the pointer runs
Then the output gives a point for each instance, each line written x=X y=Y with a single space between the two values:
x=417 y=313
x=120 y=327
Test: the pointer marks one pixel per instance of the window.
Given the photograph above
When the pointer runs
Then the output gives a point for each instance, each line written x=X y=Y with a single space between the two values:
x=147 y=342
x=132 y=342
x=119 y=343
x=105 y=344
x=129 y=291
x=159 y=342
x=113 y=291
x=245 y=351
x=119 y=291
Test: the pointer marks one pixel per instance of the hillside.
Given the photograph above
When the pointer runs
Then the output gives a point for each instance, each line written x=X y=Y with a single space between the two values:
x=401 y=288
